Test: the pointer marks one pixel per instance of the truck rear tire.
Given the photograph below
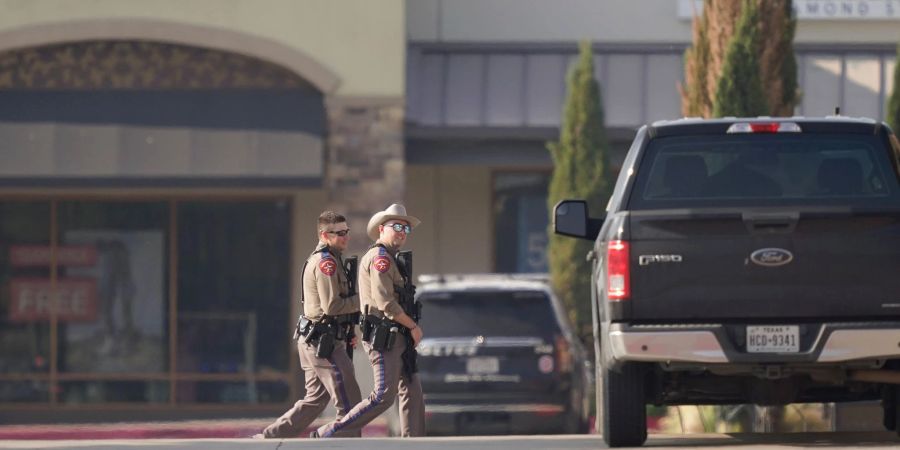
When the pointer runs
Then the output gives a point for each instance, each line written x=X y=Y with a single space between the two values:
x=889 y=397
x=894 y=415
x=624 y=409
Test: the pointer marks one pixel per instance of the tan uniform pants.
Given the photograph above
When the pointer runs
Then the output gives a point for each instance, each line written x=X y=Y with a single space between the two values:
x=388 y=369
x=331 y=378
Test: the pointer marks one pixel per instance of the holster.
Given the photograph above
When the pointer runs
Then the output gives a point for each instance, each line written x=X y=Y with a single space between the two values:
x=321 y=334
x=344 y=324
x=325 y=347
x=380 y=332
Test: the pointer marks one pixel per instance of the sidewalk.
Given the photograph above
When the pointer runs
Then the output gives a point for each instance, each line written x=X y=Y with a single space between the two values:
x=193 y=429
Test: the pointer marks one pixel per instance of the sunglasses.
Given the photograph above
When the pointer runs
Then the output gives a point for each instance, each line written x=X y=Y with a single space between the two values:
x=399 y=227
x=340 y=232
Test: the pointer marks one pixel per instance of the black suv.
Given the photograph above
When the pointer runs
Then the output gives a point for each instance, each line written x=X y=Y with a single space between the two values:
x=499 y=357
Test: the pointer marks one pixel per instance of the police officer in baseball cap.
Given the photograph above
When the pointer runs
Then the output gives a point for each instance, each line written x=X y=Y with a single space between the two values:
x=330 y=311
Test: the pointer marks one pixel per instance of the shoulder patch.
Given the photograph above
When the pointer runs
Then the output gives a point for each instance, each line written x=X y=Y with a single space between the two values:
x=381 y=263
x=327 y=265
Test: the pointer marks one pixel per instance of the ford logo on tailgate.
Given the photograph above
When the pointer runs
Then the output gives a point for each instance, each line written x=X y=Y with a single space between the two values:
x=771 y=257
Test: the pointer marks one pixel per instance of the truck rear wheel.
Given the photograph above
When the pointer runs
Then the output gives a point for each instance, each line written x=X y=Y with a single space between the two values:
x=892 y=413
x=889 y=397
x=624 y=410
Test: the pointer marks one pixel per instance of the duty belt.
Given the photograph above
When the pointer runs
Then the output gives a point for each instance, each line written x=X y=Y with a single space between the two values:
x=367 y=322
x=344 y=319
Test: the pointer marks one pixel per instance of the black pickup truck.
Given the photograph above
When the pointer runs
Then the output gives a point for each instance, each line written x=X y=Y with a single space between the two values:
x=746 y=261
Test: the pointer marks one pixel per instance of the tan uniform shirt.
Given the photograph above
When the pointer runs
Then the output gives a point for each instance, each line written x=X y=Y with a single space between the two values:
x=325 y=286
x=378 y=274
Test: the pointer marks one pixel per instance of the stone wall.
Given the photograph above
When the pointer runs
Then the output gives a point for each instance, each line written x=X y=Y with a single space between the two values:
x=365 y=161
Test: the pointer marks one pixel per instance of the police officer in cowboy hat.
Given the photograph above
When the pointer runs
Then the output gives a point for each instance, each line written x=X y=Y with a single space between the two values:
x=330 y=310
x=380 y=284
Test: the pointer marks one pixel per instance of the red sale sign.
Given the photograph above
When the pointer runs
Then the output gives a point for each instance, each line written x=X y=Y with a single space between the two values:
x=39 y=255
x=32 y=299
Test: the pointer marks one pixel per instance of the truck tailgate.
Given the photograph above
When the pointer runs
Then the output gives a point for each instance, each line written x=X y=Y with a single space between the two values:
x=764 y=265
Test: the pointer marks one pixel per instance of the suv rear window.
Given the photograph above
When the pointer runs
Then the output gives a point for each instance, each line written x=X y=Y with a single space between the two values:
x=488 y=313
x=764 y=169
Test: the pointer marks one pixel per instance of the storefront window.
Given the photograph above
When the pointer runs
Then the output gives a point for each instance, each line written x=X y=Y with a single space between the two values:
x=520 y=221
x=121 y=276
x=24 y=301
x=233 y=298
x=114 y=391
x=112 y=268
x=249 y=391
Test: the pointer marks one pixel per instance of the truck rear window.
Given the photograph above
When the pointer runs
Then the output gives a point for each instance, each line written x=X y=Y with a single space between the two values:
x=488 y=313
x=763 y=170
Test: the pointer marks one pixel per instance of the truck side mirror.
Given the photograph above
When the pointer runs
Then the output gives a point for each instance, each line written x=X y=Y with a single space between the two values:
x=570 y=218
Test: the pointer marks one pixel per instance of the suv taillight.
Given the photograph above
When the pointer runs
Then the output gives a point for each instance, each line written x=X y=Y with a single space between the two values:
x=563 y=354
x=618 y=283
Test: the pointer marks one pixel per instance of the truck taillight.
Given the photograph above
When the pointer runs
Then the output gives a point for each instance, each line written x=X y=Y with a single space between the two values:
x=618 y=283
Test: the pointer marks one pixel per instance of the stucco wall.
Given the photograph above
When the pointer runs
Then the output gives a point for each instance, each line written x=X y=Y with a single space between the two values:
x=607 y=21
x=454 y=204
x=359 y=42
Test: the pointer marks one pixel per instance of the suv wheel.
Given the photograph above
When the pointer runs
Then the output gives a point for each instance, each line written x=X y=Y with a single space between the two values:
x=624 y=410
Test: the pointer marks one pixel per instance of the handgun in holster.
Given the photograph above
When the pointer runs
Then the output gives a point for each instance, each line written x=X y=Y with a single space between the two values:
x=377 y=331
x=384 y=335
x=321 y=334
x=326 y=345
x=365 y=326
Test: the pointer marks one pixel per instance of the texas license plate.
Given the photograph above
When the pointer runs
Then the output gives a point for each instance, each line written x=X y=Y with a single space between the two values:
x=773 y=338
x=483 y=365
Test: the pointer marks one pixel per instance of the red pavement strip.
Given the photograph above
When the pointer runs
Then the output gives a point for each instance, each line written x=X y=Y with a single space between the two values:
x=154 y=430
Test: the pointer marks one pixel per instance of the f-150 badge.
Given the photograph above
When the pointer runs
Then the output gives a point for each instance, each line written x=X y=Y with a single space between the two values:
x=771 y=257
x=646 y=260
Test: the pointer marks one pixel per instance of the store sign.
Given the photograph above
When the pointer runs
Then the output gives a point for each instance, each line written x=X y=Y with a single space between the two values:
x=40 y=255
x=75 y=300
x=820 y=9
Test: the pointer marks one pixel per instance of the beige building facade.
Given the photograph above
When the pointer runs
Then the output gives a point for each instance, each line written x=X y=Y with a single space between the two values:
x=486 y=82
x=163 y=164
x=163 y=167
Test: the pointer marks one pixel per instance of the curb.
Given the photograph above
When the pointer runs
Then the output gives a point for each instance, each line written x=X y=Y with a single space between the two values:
x=156 y=430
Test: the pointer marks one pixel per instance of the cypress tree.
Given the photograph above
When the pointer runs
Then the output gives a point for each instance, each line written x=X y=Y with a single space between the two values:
x=777 y=64
x=713 y=33
x=739 y=92
x=695 y=99
x=580 y=170
x=893 y=107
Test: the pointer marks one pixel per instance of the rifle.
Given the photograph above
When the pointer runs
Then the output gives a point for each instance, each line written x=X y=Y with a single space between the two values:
x=412 y=308
x=351 y=269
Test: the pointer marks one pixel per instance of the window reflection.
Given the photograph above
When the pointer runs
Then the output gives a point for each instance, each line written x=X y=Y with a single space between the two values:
x=520 y=221
x=24 y=297
x=233 y=271
x=233 y=392
x=137 y=391
x=111 y=263
x=122 y=279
